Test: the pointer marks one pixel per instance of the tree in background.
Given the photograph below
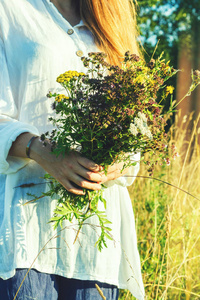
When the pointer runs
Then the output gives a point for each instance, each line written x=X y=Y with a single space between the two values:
x=175 y=26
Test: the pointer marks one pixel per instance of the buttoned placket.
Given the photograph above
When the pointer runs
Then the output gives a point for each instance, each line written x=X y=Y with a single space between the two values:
x=65 y=25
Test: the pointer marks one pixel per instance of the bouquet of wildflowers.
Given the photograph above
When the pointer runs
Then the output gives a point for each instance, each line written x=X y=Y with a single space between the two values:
x=108 y=114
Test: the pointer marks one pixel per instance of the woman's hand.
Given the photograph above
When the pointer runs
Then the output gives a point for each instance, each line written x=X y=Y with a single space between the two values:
x=114 y=171
x=73 y=171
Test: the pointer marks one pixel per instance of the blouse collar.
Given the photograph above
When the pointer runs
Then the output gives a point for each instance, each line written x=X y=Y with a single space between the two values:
x=56 y=12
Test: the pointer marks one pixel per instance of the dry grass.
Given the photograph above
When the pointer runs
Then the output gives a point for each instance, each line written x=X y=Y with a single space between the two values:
x=168 y=222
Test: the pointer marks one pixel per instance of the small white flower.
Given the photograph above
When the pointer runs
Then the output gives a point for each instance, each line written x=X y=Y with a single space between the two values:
x=167 y=161
x=138 y=122
x=143 y=130
x=148 y=134
x=142 y=125
x=176 y=155
x=133 y=129
x=142 y=116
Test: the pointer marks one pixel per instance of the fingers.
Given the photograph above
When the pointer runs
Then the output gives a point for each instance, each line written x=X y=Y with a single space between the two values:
x=75 y=183
x=97 y=174
x=88 y=164
x=80 y=182
x=76 y=173
x=70 y=186
x=115 y=167
x=113 y=172
x=73 y=174
x=81 y=168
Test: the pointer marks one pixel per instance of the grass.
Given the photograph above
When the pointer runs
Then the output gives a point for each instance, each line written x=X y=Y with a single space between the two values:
x=168 y=222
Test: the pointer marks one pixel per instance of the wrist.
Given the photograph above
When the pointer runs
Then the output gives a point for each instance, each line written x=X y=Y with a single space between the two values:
x=28 y=146
x=40 y=152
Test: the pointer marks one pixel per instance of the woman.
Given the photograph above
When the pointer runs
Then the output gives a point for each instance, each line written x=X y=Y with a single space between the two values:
x=40 y=39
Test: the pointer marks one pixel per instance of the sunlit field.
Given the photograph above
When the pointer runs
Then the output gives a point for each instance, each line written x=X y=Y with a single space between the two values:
x=167 y=214
x=168 y=221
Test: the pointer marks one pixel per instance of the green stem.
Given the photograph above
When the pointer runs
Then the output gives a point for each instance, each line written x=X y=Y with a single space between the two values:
x=170 y=184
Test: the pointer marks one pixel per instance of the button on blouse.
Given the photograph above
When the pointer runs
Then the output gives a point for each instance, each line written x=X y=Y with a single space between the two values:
x=70 y=31
x=79 y=53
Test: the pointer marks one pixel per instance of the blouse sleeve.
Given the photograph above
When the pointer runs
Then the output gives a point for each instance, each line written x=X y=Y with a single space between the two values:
x=10 y=127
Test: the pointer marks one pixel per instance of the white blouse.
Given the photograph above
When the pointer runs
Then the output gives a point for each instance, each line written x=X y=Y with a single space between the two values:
x=36 y=45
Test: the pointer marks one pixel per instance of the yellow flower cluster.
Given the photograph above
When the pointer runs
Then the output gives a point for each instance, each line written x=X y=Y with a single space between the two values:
x=139 y=79
x=169 y=89
x=61 y=97
x=67 y=76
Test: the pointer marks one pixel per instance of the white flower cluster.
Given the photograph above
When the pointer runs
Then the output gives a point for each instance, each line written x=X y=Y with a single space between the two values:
x=140 y=125
x=133 y=129
x=142 y=117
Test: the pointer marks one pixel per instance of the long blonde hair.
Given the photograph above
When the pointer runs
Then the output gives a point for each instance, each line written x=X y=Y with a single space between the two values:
x=113 y=23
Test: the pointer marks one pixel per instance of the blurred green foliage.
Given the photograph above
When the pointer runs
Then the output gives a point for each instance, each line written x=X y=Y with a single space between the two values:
x=173 y=23
x=171 y=27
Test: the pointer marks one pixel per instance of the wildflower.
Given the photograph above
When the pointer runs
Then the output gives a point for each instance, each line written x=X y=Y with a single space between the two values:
x=139 y=79
x=169 y=90
x=42 y=137
x=134 y=57
x=141 y=123
x=151 y=64
x=69 y=75
x=129 y=111
x=61 y=97
x=49 y=95
x=133 y=129
x=142 y=116
x=167 y=161
x=131 y=57
x=196 y=74
x=176 y=155
x=147 y=132
x=156 y=111
x=138 y=122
